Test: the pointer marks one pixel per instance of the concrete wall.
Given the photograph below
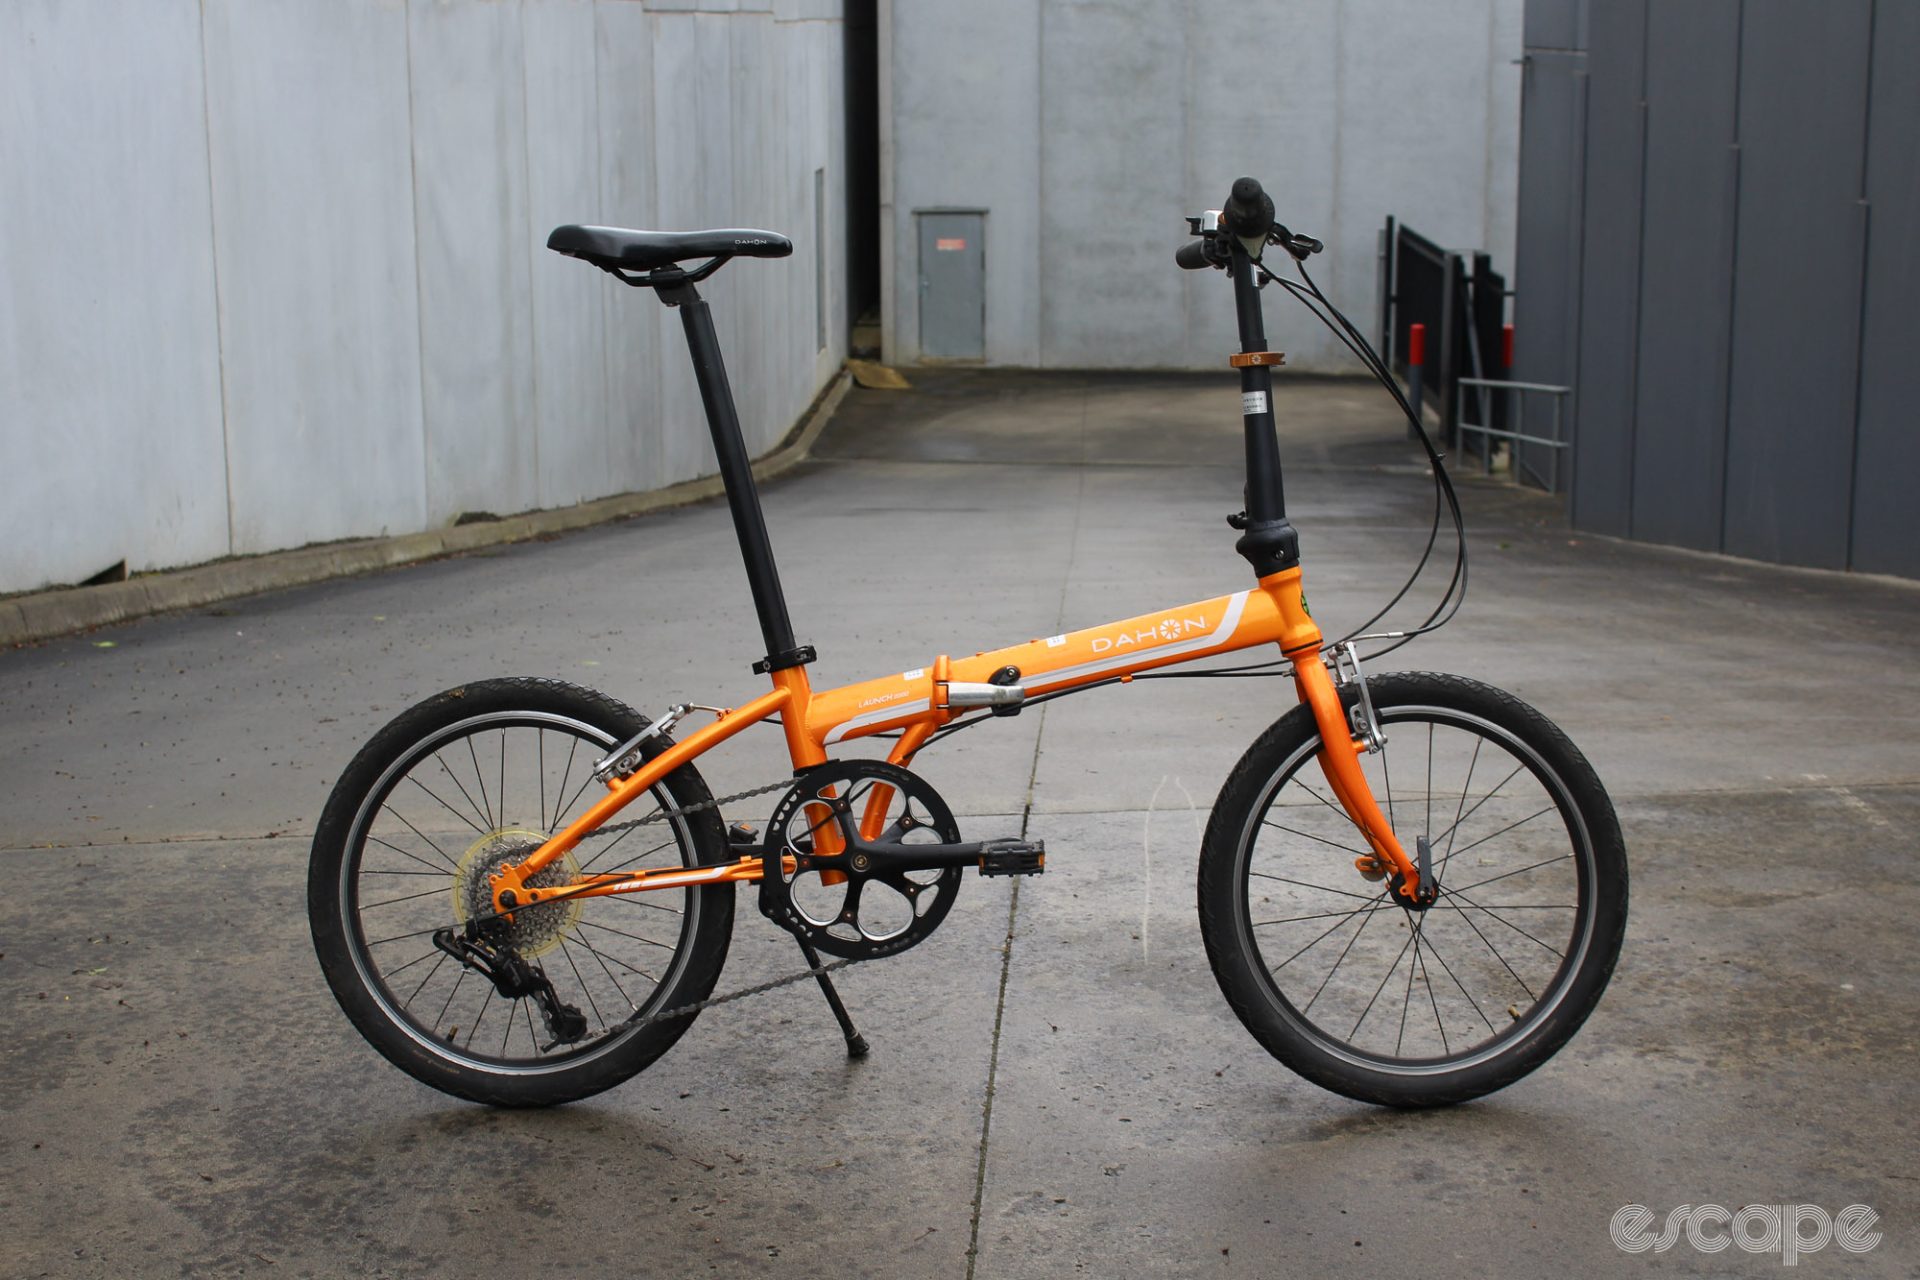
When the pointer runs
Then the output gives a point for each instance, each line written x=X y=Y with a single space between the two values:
x=274 y=272
x=1092 y=129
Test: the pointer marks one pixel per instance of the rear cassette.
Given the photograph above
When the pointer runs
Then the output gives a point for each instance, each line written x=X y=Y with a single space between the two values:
x=837 y=897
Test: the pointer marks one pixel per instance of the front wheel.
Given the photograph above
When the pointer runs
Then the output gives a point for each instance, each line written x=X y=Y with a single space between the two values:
x=1399 y=1006
x=454 y=788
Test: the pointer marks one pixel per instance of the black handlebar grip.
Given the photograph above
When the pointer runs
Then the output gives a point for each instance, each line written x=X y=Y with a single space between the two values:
x=1192 y=257
x=1249 y=211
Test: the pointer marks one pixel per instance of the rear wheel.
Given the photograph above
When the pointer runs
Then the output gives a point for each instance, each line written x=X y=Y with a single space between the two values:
x=452 y=789
x=1406 y=1007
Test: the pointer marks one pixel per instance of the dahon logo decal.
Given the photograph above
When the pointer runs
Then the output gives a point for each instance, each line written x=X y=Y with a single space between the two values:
x=1168 y=630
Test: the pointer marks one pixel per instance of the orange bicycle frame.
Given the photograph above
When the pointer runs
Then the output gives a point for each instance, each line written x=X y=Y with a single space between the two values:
x=915 y=703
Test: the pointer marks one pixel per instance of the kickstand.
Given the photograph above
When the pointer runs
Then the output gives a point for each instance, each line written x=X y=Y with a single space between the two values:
x=856 y=1043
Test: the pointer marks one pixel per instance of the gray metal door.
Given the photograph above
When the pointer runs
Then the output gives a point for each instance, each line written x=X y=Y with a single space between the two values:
x=953 y=285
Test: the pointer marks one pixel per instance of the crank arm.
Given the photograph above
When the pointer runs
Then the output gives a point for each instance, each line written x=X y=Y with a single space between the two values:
x=868 y=858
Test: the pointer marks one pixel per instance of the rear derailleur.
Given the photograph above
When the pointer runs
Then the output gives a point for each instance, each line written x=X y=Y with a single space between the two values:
x=515 y=978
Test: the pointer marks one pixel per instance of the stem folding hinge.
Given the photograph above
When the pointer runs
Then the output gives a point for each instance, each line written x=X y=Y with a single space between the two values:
x=1346 y=674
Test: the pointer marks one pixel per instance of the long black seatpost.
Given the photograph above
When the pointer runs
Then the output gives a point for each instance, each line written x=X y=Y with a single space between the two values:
x=736 y=472
x=1270 y=543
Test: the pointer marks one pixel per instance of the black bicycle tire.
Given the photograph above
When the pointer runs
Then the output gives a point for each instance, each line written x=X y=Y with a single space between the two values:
x=1255 y=998
x=710 y=910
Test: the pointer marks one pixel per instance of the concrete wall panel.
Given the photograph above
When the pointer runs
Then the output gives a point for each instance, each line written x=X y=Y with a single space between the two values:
x=1248 y=117
x=1796 y=314
x=568 y=313
x=314 y=236
x=1398 y=151
x=964 y=132
x=471 y=223
x=1546 y=277
x=1686 y=271
x=639 y=339
x=110 y=430
x=1100 y=202
x=1609 y=299
x=1888 y=461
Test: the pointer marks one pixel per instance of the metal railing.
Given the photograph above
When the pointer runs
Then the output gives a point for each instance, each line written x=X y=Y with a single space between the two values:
x=1528 y=451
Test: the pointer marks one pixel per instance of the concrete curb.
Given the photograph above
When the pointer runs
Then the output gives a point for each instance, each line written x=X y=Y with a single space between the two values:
x=47 y=614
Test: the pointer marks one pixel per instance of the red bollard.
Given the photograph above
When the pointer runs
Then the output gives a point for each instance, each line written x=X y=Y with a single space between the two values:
x=1416 y=369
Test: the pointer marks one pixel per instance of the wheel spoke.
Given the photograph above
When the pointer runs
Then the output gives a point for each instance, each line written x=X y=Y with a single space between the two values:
x=623 y=933
x=402 y=937
x=1488 y=944
x=1308 y=835
x=1341 y=958
x=608 y=955
x=1406 y=1000
x=1502 y=831
x=1503 y=920
x=1565 y=857
x=411 y=897
x=480 y=779
x=1321 y=915
x=601 y=960
x=408 y=1002
x=581 y=979
x=1264 y=875
x=1426 y=980
x=486 y=818
x=608 y=848
x=442 y=803
x=1384 y=979
x=1434 y=951
x=1477 y=803
x=431 y=869
x=560 y=804
x=1316 y=942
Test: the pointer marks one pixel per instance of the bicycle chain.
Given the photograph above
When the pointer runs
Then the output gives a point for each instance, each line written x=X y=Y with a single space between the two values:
x=635 y=1021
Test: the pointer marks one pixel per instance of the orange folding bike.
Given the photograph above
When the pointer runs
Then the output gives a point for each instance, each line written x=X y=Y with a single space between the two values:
x=1412 y=887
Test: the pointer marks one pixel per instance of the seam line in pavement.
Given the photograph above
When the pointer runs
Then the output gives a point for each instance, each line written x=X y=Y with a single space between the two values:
x=1013 y=908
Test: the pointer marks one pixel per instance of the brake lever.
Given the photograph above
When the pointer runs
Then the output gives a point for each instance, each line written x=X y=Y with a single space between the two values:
x=1301 y=247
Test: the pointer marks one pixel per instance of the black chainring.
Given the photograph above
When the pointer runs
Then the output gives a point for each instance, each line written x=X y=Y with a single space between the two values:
x=871 y=913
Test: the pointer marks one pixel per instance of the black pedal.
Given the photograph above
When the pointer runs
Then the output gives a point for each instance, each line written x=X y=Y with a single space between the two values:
x=1013 y=858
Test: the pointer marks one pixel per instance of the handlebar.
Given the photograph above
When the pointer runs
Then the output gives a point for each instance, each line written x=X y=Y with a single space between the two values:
x=1248 y=218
